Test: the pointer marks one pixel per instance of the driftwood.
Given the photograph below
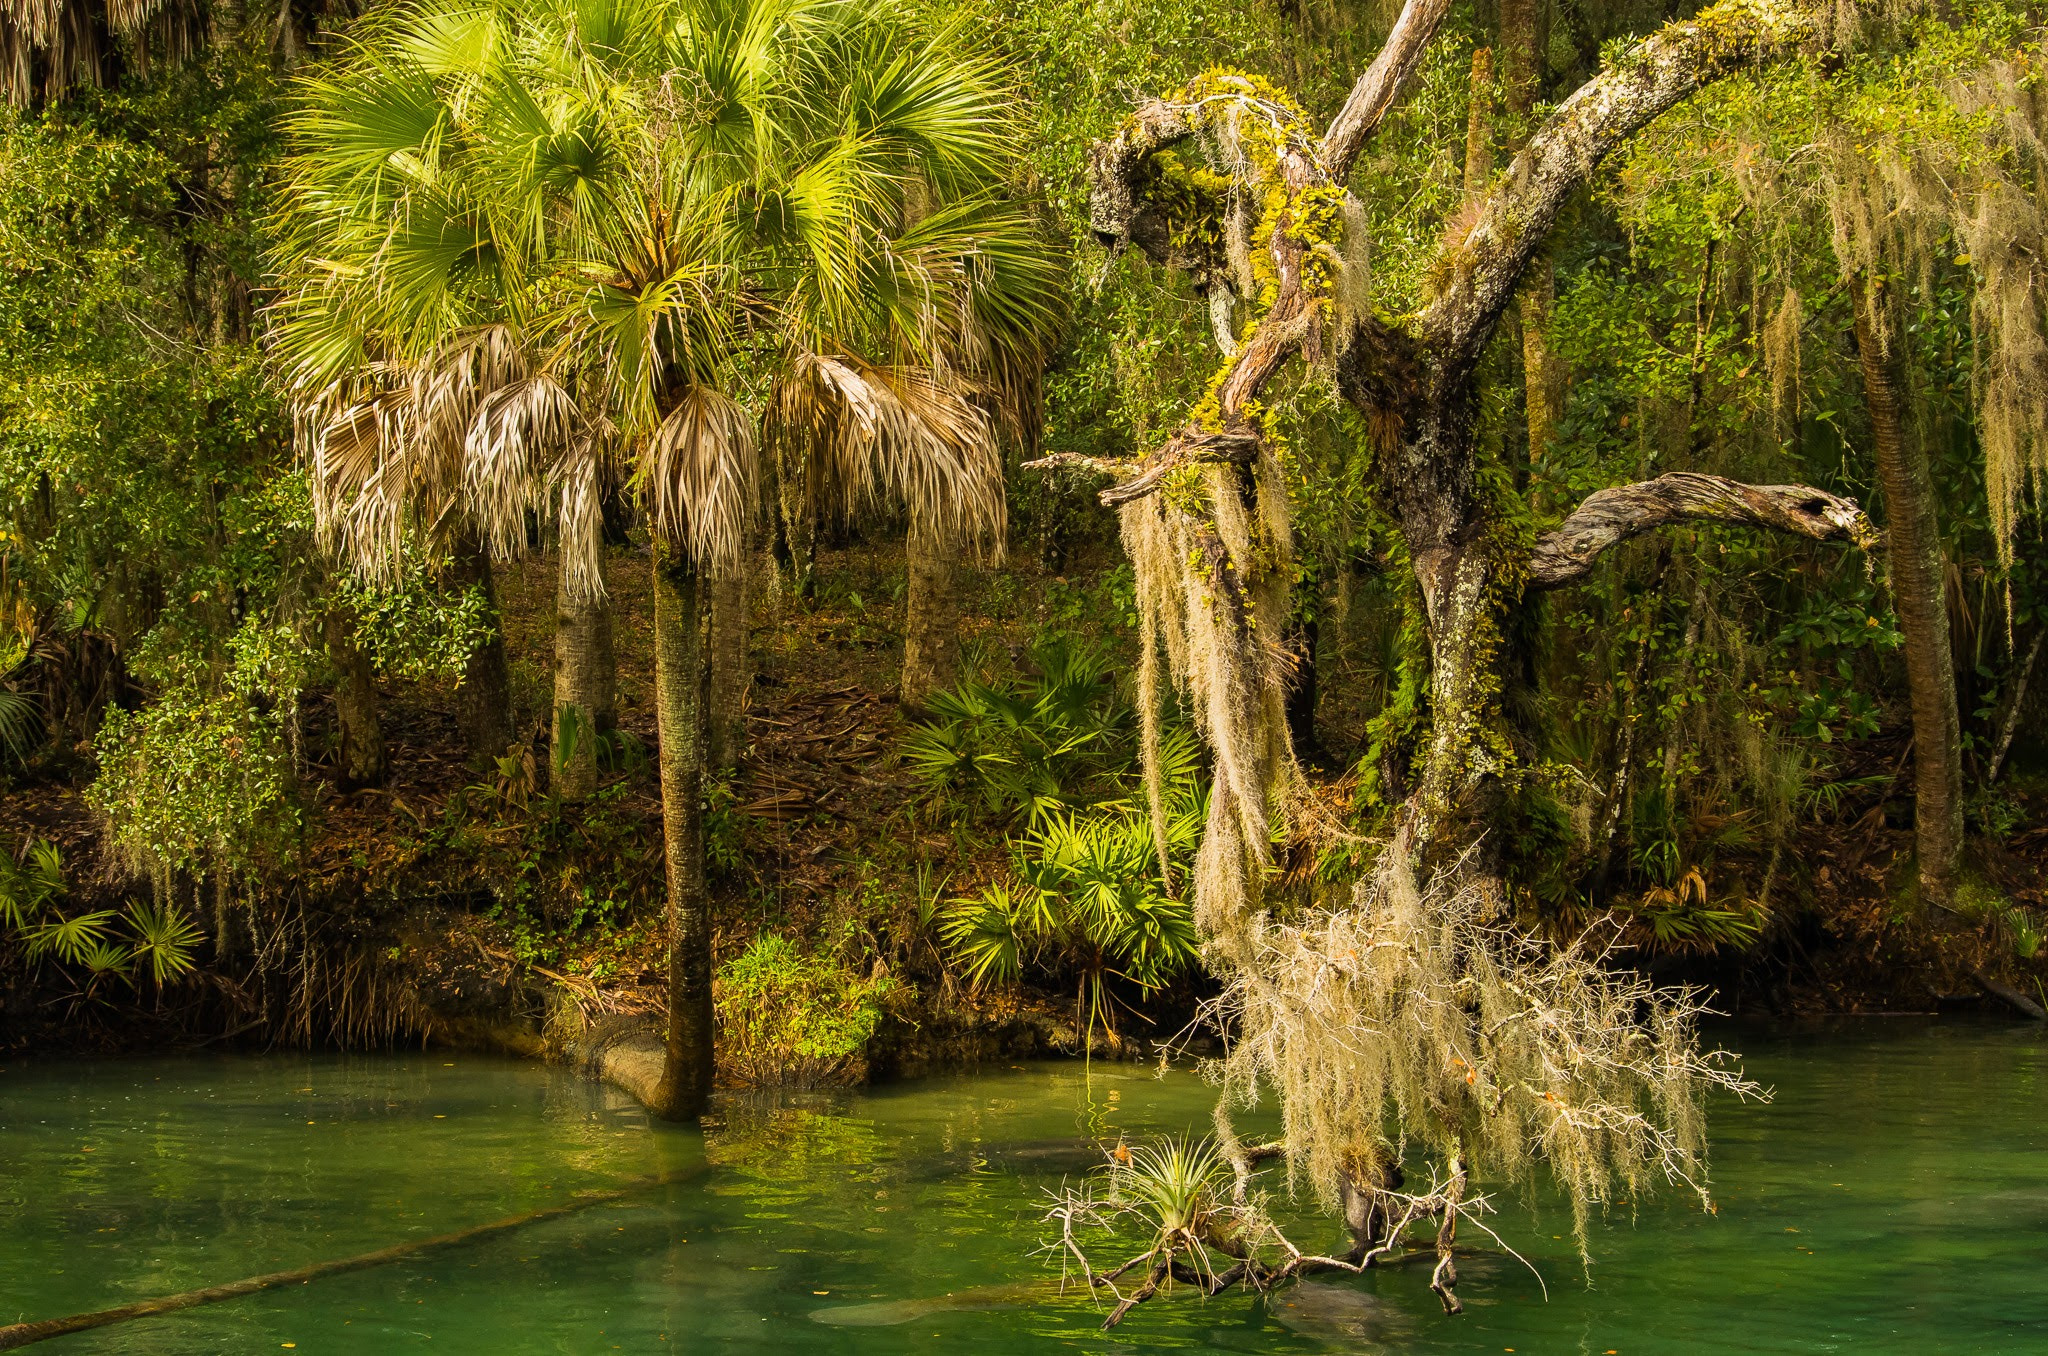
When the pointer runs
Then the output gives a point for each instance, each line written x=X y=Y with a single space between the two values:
x=25 y=1334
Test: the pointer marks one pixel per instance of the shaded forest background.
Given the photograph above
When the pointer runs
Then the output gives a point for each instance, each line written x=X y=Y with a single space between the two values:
x=950 y=862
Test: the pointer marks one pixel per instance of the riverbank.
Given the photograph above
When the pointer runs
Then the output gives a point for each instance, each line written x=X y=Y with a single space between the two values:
x=467 y=909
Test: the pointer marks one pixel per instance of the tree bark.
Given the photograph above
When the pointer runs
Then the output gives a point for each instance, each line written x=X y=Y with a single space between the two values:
x=681 y=680
x=362 y=758
x=798 y=511
x=1919 y=592
x=1479 y=125
x=582 y=655
x=731 y=672
x=484 y=700
x=931 y=615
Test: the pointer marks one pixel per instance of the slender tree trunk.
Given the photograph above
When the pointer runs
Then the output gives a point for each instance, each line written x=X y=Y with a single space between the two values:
x=355 y=703
x=1522 y=40
x=799 y=516
x=731 y=672
x=1918 y=579
x=681 y=678
x=931 y=616
x=1302 y=691
x=582 y=649
x=1479 y=126
x=1542 y=373
x=484 y=701
x=604 y=678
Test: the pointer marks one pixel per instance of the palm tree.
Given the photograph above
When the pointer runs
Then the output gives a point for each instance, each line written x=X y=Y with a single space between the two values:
x=690 y=210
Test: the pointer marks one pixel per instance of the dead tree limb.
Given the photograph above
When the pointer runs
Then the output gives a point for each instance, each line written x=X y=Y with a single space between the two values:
x=2011 y=997
x=1374 y=94
x=1609 y=517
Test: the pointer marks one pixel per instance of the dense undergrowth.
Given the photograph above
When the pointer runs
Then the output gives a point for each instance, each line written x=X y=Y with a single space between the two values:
x=1714 y=732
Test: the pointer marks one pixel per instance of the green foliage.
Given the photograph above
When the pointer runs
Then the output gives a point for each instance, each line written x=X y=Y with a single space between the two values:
x=103 y=943
x=201 y=784
x=1030 y=748
x=1173 y=1187
x=413 y=630
x=786 y=1016
x=1089 y=896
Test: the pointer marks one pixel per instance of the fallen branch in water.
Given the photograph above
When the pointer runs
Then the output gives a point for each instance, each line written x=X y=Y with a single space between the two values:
x=25 y=1334
x=1177 y=1194
x=2011 y=997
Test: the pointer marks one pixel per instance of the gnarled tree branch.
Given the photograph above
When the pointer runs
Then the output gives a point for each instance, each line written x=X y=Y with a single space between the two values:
x=1609 y=517
x=1381 y=84
x=1600 y=115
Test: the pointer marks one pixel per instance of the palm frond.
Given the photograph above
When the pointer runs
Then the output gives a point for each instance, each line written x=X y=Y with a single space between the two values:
x=165 y=936
x=896 y=433
x=68 y=939
x=700 y=470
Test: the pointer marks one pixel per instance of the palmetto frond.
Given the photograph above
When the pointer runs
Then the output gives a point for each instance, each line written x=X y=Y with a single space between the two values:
x=639 y=192
x=68 y=939
x=166 y=936
x=701 y=468
x=899 y=433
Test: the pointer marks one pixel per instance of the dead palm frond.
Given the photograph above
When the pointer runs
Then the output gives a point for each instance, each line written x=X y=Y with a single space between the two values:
x=903 y=434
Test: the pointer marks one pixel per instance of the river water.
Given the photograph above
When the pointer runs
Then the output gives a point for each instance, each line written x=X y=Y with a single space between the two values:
x=1893 y=1197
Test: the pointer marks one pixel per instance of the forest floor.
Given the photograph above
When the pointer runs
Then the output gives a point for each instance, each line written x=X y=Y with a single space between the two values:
x=450 y=898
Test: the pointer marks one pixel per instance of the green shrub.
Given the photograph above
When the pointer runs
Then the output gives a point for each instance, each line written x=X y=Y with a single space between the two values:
x=1032 y=747
x=794 y=1019
x=1089 y=898
x=199 y=784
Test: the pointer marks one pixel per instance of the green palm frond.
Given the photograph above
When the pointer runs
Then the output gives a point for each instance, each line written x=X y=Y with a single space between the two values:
x=166 y=937
x=105 y=959
x=20 y=724
x=68 y=940
x=991 y=933
x=648 y=197
x=30 y=883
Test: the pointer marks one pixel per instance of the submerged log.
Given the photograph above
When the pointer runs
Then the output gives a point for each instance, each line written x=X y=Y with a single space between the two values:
x=18 y=1335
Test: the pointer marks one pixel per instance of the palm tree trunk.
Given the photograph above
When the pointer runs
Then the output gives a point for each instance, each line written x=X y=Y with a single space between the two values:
x=931 y=616
x=1913 y=549
x=484 y=701
x=730 y=671
x=799 y=516
x=582 y=655
x=680 y=682
x=355 y=703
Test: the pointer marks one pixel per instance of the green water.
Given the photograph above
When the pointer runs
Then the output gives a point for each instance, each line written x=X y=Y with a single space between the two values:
x=1894 y=1197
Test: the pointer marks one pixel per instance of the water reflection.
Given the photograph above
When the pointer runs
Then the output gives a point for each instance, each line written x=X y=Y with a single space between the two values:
x=1881 y=1201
